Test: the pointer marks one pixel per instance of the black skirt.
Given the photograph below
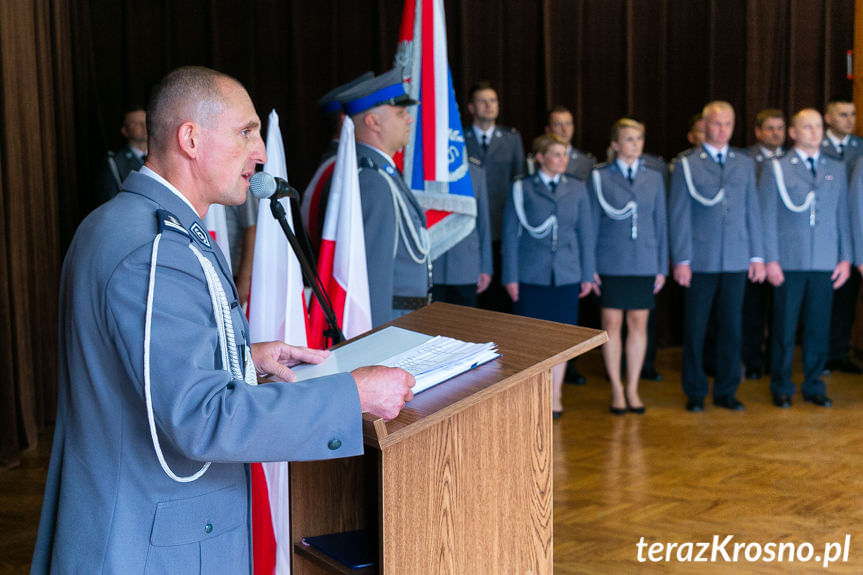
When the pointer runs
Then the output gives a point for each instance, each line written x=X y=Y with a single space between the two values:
x=553 y=303
x=627 y=292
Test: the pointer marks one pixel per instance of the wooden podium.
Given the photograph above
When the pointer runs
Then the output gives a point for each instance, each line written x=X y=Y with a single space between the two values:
x=461 y=482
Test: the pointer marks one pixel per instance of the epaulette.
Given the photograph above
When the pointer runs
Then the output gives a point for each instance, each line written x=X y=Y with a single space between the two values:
x=366 y=162
x=520 y=177
x=511 y=130
x=603 y=165
x=168 y=221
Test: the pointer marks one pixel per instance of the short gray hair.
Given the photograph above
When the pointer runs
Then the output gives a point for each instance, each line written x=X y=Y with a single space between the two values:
x=187 y=93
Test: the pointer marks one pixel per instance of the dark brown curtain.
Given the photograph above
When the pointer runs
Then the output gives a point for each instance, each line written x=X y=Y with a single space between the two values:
x=69 y=69
x=34 y=119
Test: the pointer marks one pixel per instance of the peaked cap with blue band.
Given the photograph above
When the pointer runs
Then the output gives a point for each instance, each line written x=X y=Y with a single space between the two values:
x=332 y=101
x=386 y=89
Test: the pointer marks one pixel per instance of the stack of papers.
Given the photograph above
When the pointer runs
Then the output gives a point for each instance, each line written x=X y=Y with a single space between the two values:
x=430 y=359
x=441 y=358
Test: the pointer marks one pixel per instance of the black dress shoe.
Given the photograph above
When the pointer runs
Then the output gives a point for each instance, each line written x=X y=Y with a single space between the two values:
x=782 y=400
x=819 y=399
x=846 y=365
x=638 y=410
x=729 y=402
x=617 y=410
x=574 y=377
x=651 y=375
x=753 y=374
x=556 y=414
x=695 y=405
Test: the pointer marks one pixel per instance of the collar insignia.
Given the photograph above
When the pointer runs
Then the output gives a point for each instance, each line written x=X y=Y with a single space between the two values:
x=200 y=234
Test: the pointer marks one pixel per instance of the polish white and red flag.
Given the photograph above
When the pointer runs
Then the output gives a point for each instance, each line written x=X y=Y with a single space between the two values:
x=435 y=160
x=312 y=204
x=342 y=255
x=276 y=312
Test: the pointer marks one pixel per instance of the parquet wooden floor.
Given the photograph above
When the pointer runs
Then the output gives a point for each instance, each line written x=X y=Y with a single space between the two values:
x=764 y=475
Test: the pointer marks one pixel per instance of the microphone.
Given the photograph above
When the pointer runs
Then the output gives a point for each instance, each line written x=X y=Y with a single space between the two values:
x=266 y=186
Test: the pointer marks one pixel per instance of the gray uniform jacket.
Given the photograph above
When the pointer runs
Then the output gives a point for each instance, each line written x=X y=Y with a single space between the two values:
x=617 y=252
x=126 y=161
x=853 y=152
x=757 y=154
x=389 y=275
x=526 y=259
x=578 y=167
x=109 y=507
x=855 y=201
x=788 y=236
x=462 y=264
x=503 y=163
x=723 y=237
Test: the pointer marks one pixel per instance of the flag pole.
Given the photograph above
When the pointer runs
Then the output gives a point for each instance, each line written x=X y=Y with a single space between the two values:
x=333 y=333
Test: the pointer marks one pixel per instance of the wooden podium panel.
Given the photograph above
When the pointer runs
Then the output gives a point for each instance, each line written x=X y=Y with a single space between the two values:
x=461 y=481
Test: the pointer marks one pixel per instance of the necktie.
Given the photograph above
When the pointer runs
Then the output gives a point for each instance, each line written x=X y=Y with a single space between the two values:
x=485 y=142
x=552 y=185
x=719 y=160
x=811 y=162
x=629 y=175
x=841 y=150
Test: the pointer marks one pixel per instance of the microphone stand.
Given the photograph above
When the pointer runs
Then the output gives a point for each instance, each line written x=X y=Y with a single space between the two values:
x=333 y=333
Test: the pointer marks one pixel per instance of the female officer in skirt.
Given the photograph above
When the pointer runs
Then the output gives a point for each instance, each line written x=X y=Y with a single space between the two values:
x=628 y=200
x=548 y=245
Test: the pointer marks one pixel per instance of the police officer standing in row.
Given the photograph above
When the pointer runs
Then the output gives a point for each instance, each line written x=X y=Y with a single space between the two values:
x=397 y=244
x=502 y=155
x=808 y=250
x=715 y=232
x=841 y=144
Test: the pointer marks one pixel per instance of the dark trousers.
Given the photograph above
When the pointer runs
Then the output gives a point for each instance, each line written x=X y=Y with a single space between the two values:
x=726 y=290
x=756 y=306
x=842 y=316
x=805 y=296
x=495 y=297
x=463 y=294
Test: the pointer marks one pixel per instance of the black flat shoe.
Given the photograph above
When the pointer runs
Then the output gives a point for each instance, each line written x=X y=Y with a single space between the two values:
x=695 y=405
x=638 y=410
x=651 y=375
x=819 y=399
x=782 y=400
x=617 y=410
x=729 y=402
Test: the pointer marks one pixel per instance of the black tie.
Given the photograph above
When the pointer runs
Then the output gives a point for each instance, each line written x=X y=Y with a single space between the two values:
x=485 y=142
x=841 y=150
x=811 y=162
x=629 y=175
x=719 y=160
x=552 y=185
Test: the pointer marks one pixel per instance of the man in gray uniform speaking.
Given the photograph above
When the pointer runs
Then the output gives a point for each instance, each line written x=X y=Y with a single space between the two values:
x=397 y=243
x=159 y=407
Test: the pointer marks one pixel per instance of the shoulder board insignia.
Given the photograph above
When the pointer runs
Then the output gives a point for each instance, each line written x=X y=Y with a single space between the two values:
x=603 y=165
x=389 y=169
x=200 y=234
x=512 y=130
x=168 y=221
x=367 y=163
